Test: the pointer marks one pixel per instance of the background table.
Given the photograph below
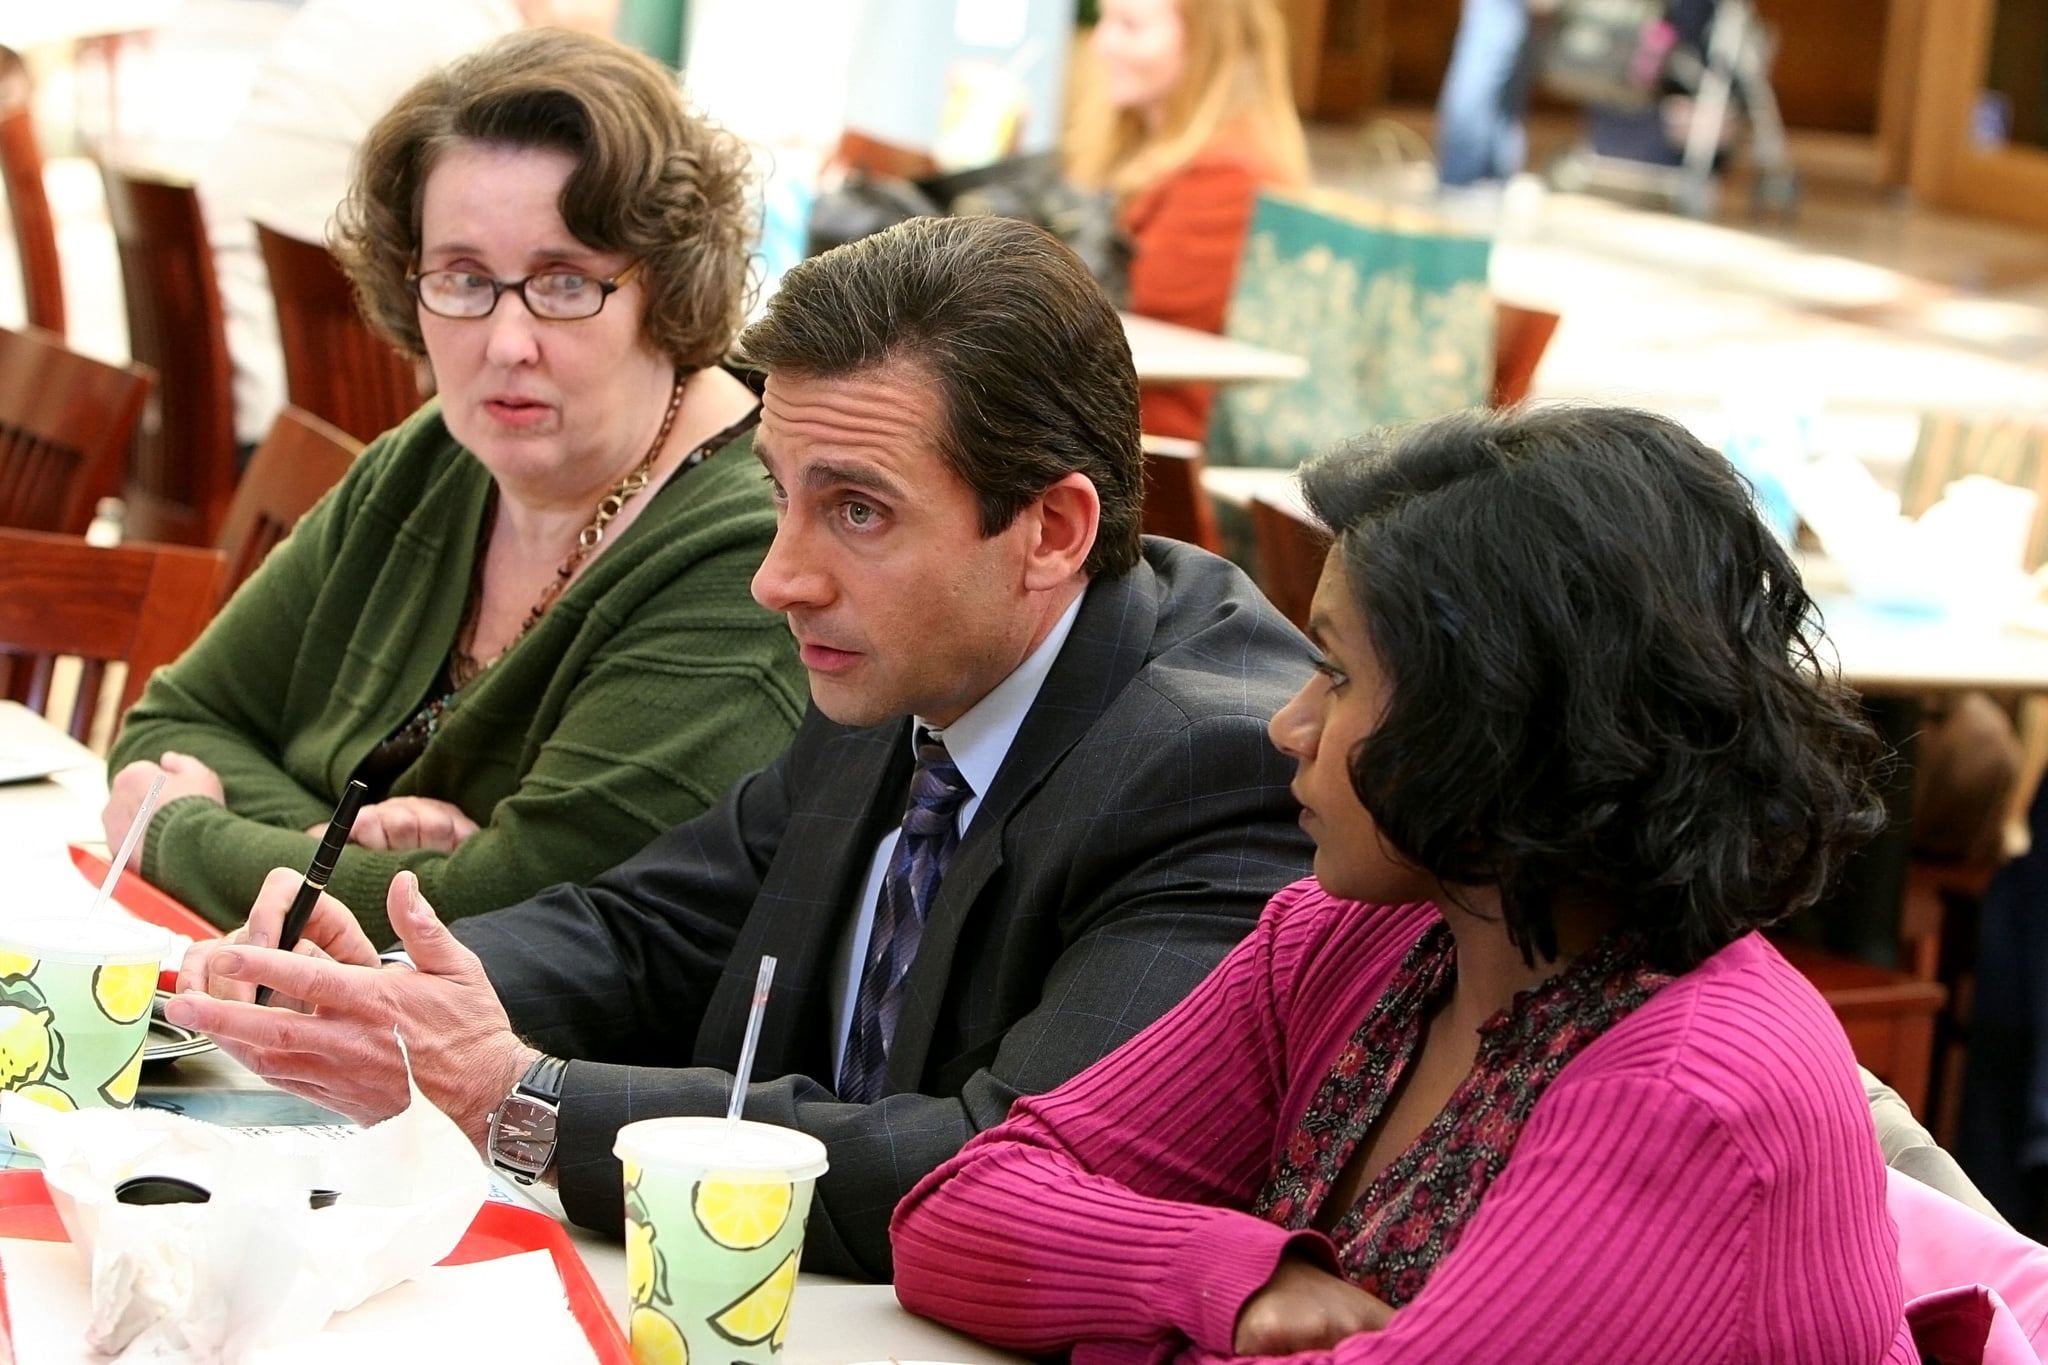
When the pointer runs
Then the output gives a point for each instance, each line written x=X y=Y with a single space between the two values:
x=1166 y=353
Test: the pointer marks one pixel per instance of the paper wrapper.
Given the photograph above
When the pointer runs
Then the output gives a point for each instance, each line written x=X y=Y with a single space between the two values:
x=256 y=1266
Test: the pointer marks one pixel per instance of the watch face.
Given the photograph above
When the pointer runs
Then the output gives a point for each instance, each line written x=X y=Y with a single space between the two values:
x=523 y=1135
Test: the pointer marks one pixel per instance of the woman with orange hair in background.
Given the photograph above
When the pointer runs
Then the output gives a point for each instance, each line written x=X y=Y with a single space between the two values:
x=1187 y=115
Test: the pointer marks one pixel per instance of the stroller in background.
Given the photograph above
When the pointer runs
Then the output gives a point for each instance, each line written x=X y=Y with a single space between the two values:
x=1624 y=58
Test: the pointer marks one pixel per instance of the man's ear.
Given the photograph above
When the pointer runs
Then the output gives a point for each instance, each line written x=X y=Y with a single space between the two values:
x=1066 y=517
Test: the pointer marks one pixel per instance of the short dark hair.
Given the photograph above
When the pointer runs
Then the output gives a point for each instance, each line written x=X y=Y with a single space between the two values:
x=1024 y=346
x=652 y=180
x=1603 y=676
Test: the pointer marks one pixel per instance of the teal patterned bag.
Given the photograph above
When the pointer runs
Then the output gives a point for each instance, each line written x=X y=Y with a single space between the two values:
x=1394 y=317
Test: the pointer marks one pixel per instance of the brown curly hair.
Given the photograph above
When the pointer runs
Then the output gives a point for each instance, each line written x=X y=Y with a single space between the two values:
x=652 y=180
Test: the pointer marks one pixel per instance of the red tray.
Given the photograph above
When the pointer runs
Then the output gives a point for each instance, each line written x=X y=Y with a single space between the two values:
x=499 y=1230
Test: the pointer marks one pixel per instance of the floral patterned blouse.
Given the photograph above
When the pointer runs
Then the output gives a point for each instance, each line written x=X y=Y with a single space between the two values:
x=1410 y=1216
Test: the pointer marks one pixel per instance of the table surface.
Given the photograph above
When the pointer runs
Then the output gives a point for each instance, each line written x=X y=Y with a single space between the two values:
x=1879 y=649
x=1166 y=353
x=833 y=1321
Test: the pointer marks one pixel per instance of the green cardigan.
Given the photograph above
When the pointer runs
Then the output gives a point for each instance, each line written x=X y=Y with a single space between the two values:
x=652 y=685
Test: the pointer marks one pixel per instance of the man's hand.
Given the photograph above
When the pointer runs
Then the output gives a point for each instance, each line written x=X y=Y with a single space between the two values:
x=1304 y=1308
x=332 y=934
x=336 y=1047
x=185 y=776
x=404 y=824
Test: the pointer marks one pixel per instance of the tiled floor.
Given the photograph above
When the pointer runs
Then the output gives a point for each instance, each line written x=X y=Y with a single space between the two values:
x=1863 y=310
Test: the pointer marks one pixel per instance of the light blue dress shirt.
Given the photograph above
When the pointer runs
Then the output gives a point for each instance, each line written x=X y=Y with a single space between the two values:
x=978 y=742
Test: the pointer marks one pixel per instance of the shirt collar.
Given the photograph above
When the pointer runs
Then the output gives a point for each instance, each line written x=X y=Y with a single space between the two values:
x=980 y=740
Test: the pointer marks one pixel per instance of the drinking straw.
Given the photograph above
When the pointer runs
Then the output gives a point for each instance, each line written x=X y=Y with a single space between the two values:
x=746 y=1067
x=128 y=844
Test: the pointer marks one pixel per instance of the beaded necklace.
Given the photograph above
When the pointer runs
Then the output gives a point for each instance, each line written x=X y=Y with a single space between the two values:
x=463 y=667
x=404 y=745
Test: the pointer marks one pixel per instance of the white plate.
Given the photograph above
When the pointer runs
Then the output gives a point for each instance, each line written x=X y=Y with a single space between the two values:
x=169 y=1041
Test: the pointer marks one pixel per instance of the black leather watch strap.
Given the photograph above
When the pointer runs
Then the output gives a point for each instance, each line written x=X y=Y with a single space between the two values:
x=544 y=1079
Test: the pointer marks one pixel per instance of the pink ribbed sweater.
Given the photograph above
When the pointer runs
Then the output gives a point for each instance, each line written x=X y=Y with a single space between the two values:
x=1701 y=1184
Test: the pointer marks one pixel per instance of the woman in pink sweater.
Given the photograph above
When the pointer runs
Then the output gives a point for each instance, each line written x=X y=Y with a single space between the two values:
x=1513 y=1077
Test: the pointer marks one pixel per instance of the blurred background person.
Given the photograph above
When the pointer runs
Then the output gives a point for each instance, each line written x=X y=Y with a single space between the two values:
x=1186 y=116
x=333 y=71
x=1485 y=95
x=524 y=618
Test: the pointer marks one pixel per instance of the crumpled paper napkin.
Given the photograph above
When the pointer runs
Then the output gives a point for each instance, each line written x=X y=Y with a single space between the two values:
x=256 y=1266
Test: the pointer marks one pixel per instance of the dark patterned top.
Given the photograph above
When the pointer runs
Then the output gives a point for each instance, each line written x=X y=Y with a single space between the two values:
x=1411 y=1214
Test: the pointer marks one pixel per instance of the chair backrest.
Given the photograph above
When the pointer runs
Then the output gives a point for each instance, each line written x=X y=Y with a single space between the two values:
x=135 y=604
x=183 y=467
x=299 y=460
x=2010 y=449
x=1291 y=546
x=28 y=203
x=335 y=367
x=1176 y=504
x=1520 y=337
x=65 y=421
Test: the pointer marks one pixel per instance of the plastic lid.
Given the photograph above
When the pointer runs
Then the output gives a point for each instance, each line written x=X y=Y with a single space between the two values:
x=703 y=1144
x=86 y=938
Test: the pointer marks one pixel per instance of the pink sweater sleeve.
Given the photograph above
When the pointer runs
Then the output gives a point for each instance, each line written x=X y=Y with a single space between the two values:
x=1109 y=1208
x=1662 y=1203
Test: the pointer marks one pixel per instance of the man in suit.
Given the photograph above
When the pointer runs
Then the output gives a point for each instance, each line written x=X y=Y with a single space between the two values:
x=1076 y=718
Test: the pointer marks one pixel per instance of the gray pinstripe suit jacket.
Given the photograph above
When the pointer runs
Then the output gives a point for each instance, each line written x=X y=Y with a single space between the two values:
x=1130 y=839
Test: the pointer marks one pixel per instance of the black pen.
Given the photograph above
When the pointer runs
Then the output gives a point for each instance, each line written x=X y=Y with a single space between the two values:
x=316 y=876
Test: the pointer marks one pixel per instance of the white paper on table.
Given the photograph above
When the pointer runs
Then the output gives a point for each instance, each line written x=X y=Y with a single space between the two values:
x=511 y=1308
x=256 y=1266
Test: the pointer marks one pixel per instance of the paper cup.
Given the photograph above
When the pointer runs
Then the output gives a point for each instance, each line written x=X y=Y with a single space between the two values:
x=74 y=1008
x=714 y=1231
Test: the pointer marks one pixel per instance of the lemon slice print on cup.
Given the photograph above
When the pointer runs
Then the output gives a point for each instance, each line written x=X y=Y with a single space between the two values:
x=27 y=1052
x=43 y=1093
x=656 y=1340
x=124 y=990
x=17 y=966
x=761 y=1313
x=742 y=1216
x=120 y=1091
x=646 y=1268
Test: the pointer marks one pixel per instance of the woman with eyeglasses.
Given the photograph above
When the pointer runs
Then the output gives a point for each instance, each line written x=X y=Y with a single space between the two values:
x=524 y=617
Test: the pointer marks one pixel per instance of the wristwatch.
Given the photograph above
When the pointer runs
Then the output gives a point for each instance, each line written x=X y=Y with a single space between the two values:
x=522 y=1142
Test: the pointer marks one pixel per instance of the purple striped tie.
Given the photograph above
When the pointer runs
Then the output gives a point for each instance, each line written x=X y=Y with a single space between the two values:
x=930 y=834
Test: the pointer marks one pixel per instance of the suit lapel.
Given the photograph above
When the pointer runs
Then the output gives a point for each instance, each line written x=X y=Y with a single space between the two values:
x=855 y=792
x=1109 y=642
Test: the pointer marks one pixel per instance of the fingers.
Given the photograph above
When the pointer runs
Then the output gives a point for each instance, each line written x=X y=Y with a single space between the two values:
x=300 y=983
x=368 y=831
x=403 y=824
x=426 y=940
x=266 y=914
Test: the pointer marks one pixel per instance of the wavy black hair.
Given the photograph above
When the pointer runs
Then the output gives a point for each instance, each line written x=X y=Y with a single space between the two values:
x=1603 y=676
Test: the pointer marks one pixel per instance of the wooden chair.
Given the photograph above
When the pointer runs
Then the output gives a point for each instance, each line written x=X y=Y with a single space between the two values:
x=65 y=422
x=183 y=468
x=1951 y=445
x=135 y=604
x=1520 y=337
x=28 y=203
x=335 y=367
x=299 y=460
x=1291 y=546
x=1176 y=505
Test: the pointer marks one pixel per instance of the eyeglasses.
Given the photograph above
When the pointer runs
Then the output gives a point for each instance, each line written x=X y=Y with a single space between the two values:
x=557 y=295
